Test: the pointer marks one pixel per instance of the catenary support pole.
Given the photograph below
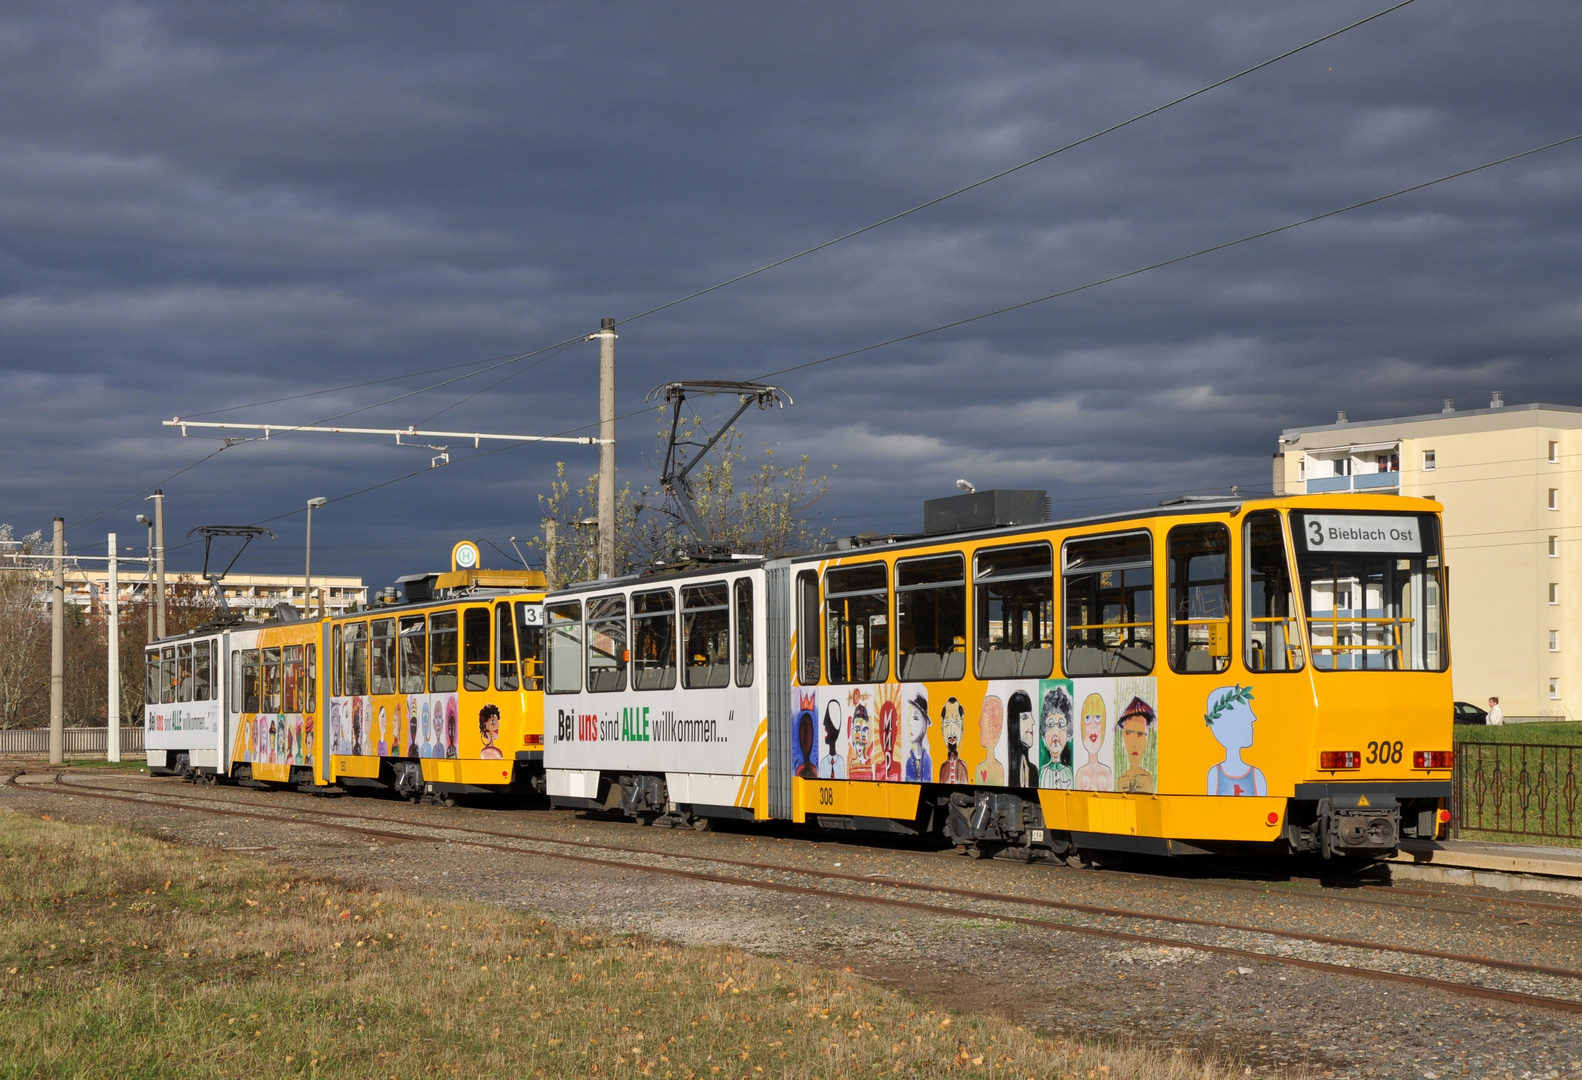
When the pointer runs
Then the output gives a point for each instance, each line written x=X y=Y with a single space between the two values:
x=112 y=719
x=57 y=650
x=606 y=336
x=159 y=559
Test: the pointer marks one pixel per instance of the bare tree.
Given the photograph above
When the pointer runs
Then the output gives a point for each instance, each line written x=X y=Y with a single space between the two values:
x=758 y=506
x=24 y=630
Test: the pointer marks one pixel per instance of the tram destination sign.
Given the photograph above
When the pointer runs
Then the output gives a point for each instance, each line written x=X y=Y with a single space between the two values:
x=1362 y=532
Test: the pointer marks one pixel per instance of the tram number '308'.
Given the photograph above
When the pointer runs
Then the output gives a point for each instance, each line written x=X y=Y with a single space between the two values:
x=826 y=796
x=1384 y=753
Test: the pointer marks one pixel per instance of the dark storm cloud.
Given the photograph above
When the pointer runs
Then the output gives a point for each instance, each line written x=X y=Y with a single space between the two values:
x=207 y=205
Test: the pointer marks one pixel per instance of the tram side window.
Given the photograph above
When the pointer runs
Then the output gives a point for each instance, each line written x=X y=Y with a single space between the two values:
x=807 y=626
x=151 y=677
x=857 y=623
x=250 y=664
x=291 y=662
x=706 y=635
x=272 y=681
x=337 y=662
x=530 y=643
x=607 y=653
x=413 y=653
x=184 y=671
x=744 y=631
x=931 y=618
x=356 y=645
x=506 y=676
x=167 y=674
x=654 y=640
x=475 y=649
x=310 y=678
x=235 y=684
x=1109 y=583
x=381 y=667
x=563 y=623
x=442 y=652
x=1015 y=612
x=1199 y=559
x=203 y=671
x=1273 y=642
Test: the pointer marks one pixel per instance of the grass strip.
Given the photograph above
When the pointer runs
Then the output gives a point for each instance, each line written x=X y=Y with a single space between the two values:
x=126 y=956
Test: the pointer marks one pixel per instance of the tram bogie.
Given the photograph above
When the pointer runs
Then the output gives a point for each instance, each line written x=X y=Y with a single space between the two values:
x=1258 y=675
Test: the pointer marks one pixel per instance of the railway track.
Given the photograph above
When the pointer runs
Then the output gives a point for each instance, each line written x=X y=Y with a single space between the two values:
x=1367 y=959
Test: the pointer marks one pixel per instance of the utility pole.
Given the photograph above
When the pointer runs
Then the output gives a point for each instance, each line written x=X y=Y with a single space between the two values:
x=57 y=650
x=159 y=557
x=606 y=336
x=307 y=569
x=112 y=719
x=148 y=575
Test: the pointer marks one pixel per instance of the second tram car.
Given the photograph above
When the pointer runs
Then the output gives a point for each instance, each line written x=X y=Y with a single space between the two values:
x=1236 y=676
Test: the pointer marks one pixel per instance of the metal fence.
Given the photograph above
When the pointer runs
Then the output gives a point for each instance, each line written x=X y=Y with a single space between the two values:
x=1518 y=790
x=80 y=741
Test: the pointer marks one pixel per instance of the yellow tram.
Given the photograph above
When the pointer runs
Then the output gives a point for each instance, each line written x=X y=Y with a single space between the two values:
x=1202 y=676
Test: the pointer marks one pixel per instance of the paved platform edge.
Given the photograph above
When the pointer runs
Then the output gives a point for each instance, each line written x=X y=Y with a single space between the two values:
x=1492 y=869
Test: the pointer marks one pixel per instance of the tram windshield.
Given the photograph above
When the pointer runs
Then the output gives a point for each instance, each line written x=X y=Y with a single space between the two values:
x=1372 y=586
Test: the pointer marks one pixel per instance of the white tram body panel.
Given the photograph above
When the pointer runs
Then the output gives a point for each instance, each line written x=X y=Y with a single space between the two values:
x=184 y=702
x=661 y=676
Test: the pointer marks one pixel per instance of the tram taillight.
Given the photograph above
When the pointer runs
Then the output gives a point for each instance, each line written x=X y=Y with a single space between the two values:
x=1340 y=759
x=1433 y=759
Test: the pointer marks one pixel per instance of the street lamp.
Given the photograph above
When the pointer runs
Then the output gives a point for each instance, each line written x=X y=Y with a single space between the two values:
x=148 y=591
x=307 y=570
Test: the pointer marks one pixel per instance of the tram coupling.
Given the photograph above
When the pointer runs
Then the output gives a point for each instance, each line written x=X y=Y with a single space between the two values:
x=1350 y=824
x=988 y=820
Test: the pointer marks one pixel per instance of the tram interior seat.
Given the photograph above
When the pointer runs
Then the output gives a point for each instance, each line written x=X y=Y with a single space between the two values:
x=1086 y=660
x=709 y=676
x=921 y=665
x=881 y=667
x=1198 y=660
x=1035 y=663
x=653 y=677
x=602 y=679
x=998 y=663
x=953 y=665
x=1132 y=660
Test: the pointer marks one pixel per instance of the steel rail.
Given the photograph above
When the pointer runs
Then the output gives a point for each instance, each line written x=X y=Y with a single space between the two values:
x=1466 y=989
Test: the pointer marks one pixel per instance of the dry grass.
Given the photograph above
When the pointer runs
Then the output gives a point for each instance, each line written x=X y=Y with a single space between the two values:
x=124 y=956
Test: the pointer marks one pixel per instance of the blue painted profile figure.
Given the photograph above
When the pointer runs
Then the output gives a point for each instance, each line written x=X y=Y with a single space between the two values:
x=1230 y=718
x=918 y=768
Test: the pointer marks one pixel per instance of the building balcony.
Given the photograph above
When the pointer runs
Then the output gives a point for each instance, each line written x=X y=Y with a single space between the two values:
x=1380 y=482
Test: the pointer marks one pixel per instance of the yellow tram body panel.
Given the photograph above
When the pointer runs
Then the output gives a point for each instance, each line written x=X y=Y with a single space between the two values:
x=446 y=691
x=1199 y=669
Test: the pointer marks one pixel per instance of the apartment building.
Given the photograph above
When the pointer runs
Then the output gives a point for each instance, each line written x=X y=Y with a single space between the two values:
x=1506 y=476
x=253 y=595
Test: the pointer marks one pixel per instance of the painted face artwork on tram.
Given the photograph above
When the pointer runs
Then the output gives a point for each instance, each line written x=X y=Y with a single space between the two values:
x=833 y=767
x=1137 y=749
x=885 y=765
x=953 y=725
x=991 y=726
x=919 y=767
x=1230 y=718
x=489 y=732
x=1054 y=729
x=1095 y=775
x=451 y=743
x=411 y=742
x=804 y=747
x=859 y=736
x=1022 y=734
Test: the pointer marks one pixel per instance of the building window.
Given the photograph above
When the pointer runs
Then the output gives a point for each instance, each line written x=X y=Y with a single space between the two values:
x=1554 y=689
x=1554 y=641
x=1554 y=452
x=1428 y=461
x=1554 y=592
x=1554 y=547
x=1554 y=498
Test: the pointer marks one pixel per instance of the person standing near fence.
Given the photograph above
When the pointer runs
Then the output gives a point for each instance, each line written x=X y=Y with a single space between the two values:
x=1496 y=714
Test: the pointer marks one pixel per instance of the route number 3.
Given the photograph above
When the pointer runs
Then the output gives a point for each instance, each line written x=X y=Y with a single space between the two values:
x=1384 y=753
x=1315 y=534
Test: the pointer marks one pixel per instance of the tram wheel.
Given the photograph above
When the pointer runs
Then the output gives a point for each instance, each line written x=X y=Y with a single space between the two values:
x=701 y=824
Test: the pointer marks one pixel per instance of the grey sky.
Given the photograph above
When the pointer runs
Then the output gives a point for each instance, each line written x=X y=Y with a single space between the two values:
x=207 y=205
